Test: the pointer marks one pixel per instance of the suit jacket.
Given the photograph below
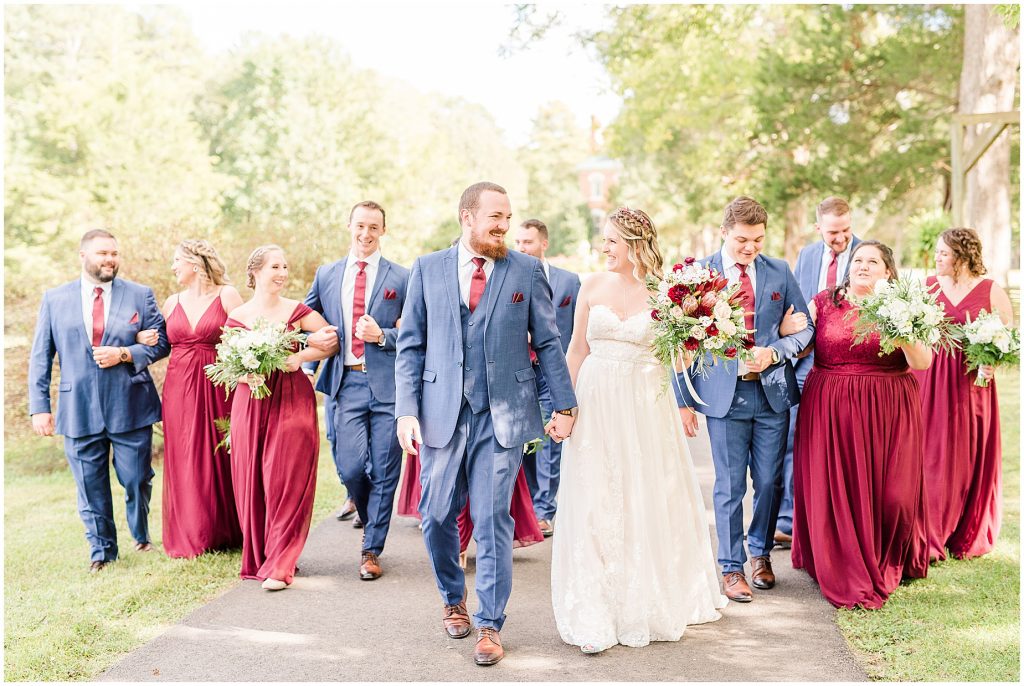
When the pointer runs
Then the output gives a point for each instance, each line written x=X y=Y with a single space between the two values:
x=92 y=400
x=808 y=267
x=779 y=380
x=429 y=372
x=564 y=286
x=325 y=297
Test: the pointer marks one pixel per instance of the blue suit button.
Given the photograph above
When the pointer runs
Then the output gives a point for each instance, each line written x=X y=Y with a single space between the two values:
x=471 y=323
x=468 y=369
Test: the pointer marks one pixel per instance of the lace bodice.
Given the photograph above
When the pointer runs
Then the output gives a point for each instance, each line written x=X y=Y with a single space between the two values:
x=834 y=350
x=627 y=340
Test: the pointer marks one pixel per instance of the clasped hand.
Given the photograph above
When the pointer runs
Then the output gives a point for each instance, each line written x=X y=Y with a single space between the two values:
x=559 y=427
x=324 y=340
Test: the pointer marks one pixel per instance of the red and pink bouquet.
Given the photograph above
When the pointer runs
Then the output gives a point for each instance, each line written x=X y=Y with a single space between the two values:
x=699 y=318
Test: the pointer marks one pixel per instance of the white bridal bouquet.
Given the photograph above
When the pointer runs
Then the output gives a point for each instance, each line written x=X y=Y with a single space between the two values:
x=903 y=311
x=252 y=355
x=987 y=341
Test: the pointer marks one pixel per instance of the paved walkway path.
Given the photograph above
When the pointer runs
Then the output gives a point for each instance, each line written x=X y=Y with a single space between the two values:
x=330 y=626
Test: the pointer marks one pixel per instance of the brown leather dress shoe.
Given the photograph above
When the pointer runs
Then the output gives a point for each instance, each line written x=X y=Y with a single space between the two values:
x=370 y=568
x=144 y=547
x=783 y=540
x=736 y=588
x=545 y=528
x=488 y=647
x=456 y=620
x=96 y=566
x=347 y=511
x=762 y=576
x=357 y=523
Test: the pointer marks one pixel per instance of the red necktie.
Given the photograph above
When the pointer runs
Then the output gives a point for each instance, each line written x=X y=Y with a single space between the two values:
x=747 y=289
x=833 y=266
x=97 y=317
x=477 y=284
x=359 y=308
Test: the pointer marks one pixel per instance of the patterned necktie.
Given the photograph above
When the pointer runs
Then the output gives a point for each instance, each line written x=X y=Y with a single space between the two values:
x=747 y=289
x=359 y=308
x=833 y=267
x=477 y=284
x=97 y=317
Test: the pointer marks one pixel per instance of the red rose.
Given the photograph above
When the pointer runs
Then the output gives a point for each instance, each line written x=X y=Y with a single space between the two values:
x=712 y=330
x=748 y=342
x=676 y=294
x=655 y=316
x=677 y=267
x=730 y=352
x=690 y=260
x=702 y=311
x=691 y=344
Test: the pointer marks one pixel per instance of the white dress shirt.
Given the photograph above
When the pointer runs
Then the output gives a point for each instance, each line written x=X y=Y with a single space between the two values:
x=348 y=294
x=732 y=272
x=547 y=270
x=826 y=259
x=467 y=267
x=88 y=296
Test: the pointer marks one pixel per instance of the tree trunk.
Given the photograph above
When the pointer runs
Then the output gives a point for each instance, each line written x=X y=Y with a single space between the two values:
x=987 y=83
x=795 y=233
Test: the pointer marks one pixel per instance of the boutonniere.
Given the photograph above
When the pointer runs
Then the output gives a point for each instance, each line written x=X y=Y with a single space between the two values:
x=776 y=296
x=566 y=301
x=134 y=319
x=517 y=297
x=390 y=294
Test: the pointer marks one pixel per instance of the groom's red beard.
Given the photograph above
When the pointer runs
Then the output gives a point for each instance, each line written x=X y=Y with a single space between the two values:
x=495 y=252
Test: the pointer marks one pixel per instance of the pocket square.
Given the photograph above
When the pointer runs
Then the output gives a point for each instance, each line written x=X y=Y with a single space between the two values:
x=390 y=294
x=517 y=297
x=776 y=296
x=566 y=301
x=134 y=319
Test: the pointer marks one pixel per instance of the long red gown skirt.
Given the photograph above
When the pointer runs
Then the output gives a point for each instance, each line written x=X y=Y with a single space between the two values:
x=274 y=447
x=859 y=503
x=198 y=499
x=526 y=531
x=963 y=454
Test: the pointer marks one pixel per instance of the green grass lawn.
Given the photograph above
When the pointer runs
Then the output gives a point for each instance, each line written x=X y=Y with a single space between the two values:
x=962 y=623
x=64 y=624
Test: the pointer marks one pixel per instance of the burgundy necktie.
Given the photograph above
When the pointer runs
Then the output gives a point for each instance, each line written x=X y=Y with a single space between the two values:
x=833 y=266
x=359 y=308
x=97 y=317
x=477 y=284
x=747 y=289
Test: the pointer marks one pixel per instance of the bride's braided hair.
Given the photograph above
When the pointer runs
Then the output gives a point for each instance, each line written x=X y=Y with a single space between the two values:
x=642 y=240
x=201 y=254
x=256 y=260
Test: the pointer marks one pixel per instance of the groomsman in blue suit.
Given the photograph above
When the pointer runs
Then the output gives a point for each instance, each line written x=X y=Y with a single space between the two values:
x=747 y=403
x=107 y=399
x=542 y=467
x=361 y=296
x=467 y=400
x=821 y=265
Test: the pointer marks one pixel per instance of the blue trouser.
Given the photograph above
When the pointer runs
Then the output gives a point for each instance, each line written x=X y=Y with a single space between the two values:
x=330 y=409
x=785 y=520
x=474 y=464
x=88 y=457
x=542 y=467
x=369 y=457
x=751 y=436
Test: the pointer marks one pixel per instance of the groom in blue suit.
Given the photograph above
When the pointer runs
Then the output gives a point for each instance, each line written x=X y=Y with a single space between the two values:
x=821 y=265
x=361 y=296
x=106 y=394
x=543 y=466
x=747 y=403
x=467 y=400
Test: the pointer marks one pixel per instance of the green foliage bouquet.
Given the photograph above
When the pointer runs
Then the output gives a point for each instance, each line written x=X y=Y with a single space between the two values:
x=987 y=341
x=252 y=355
x=902 y=311
x=698 y=316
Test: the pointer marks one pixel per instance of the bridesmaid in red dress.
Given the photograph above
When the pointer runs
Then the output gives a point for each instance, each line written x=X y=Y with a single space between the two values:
x=858 y=524
x=275 y=441
x=963 y=455
x=526 y=532
x=198 y=500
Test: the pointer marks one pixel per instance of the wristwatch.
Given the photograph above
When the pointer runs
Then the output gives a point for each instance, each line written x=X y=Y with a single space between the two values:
x=382 y=340
x=571 y=412
x=124 y=354
x=775 y=356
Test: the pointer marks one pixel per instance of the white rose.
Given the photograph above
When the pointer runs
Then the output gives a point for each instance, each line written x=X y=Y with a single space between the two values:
x=1002 y=341
x=722 y=310
x=697 y=331
x=727 y=328
x=249 y=361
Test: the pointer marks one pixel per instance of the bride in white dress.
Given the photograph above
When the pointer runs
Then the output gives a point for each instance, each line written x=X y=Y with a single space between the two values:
x=632 y=560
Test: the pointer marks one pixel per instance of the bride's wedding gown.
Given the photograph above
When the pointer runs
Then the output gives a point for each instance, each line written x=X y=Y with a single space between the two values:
x=632 y=560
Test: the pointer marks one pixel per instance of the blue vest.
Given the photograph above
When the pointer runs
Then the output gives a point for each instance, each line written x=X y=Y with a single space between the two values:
x=474 y=362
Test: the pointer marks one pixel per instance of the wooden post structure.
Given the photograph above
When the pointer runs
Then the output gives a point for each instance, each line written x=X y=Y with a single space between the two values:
x=963 y=161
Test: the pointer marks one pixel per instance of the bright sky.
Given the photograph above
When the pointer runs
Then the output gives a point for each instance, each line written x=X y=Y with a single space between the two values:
x=450 y=48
